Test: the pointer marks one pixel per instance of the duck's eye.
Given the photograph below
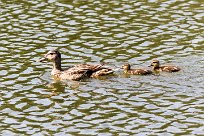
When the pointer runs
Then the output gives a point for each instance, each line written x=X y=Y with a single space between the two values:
x=51 y=53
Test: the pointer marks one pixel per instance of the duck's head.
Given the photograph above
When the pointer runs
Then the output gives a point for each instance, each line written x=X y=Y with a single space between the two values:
x=126 y=66
x=52 y=55
x=155 y=63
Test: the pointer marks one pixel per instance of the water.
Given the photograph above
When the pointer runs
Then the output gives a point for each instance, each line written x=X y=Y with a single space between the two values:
x=114 y=32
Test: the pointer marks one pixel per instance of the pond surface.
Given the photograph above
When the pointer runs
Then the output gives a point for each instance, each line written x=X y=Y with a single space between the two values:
x=95 y=31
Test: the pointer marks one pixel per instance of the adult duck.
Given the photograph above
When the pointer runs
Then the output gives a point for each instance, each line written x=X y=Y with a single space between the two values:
x=76 y=72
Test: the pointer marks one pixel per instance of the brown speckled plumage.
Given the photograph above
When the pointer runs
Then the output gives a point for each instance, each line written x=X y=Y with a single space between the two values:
x=156 y=67
x=128 y=70
x=76 y=72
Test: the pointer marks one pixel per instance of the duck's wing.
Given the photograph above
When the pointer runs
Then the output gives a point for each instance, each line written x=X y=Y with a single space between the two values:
x=75 y=73
x=95 y=70
x=90 y=66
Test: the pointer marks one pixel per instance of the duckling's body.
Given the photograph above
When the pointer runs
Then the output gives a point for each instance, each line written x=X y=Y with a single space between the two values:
x=76 y=72
x=168 y=68
x=128 y=70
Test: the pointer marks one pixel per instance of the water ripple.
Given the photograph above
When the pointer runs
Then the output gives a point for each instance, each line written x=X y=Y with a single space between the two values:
x=114 y=32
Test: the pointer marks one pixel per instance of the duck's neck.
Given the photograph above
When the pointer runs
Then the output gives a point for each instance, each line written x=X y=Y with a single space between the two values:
x=126 y=70
x=155 y=67
x=57 y=64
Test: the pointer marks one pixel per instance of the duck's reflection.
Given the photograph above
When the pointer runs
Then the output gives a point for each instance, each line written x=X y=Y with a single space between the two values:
x=57 y=87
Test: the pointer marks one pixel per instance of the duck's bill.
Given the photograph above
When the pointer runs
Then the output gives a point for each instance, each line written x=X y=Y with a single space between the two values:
x=42 y=59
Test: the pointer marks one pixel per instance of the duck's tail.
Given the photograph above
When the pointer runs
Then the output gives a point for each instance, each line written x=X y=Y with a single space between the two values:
x=102 y=72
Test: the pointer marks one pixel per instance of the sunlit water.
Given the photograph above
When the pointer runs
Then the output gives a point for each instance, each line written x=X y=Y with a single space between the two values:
x=95 y=31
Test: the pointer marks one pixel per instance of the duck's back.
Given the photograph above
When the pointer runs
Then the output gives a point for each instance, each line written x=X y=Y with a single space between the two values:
x=139 y=71
x=89 y=66
x=97 y=70
x=169 y=68
x=74 y=73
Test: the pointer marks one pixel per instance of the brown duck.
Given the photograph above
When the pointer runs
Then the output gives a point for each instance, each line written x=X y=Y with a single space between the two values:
x=127 y=69
x=156 y=67
x=76 y=72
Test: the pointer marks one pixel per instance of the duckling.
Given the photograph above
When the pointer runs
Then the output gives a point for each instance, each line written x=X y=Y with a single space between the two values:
x=156 y=67
x=76 y=72
x=128 y=70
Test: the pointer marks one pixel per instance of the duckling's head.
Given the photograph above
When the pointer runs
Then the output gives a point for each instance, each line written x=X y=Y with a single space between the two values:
x=126 y=66
x=52 y=55
x=155 y=64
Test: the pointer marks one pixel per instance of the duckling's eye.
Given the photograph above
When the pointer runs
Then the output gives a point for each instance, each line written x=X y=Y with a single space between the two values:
x=51 y=53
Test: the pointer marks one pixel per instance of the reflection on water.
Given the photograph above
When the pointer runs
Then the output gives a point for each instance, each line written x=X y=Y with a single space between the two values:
x=115 y=32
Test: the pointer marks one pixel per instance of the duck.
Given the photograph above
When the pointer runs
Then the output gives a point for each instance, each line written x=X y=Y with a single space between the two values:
x=76 y=72
x=155 y=64
x=127 y=69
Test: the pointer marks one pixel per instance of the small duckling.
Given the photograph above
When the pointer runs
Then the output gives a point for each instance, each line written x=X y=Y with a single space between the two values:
x=128 y=70
x=156 y=67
